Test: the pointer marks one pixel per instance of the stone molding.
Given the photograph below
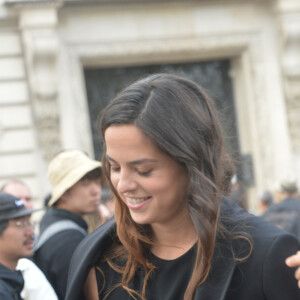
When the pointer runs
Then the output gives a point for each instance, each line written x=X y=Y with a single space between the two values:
x=32 y=4
x=289 y=16
x=117 y=53
x=189 y=48
x=37 y=3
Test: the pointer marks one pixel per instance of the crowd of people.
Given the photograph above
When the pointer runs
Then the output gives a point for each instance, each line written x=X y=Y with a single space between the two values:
x=155 y=219
x=76 y=183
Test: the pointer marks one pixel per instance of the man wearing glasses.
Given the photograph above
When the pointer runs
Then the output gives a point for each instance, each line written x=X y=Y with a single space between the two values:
x=36 y=285
x=16 y=241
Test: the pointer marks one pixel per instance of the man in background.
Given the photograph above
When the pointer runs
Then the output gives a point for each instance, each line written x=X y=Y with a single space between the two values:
x=266 y=199
x=20 y=190
x=286 y=214
x=16 y=241
x=36 y=285
x=76 y=186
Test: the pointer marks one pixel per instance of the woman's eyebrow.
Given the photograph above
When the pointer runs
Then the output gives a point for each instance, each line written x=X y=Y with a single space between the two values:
x=134 y=162
x=141 y=161
x=109 y=158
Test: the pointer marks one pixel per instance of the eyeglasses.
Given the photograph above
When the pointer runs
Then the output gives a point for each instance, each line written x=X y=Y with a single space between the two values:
x=25 y=225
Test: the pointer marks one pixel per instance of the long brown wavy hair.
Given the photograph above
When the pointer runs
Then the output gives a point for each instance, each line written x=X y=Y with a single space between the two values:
x=181 y=119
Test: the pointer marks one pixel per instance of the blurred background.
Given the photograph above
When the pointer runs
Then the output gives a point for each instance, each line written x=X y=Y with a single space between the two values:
x=61 y=62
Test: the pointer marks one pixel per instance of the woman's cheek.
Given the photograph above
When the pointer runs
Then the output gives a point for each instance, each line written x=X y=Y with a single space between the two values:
x=114 y=178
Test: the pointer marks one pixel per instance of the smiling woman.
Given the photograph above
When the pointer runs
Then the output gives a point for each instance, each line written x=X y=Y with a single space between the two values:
x=175 y=236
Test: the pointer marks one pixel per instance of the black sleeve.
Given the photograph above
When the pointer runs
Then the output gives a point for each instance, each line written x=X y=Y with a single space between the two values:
x=87 y=255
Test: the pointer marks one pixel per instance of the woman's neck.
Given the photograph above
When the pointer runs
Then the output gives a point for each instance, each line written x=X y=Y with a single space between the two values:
x=173 y=240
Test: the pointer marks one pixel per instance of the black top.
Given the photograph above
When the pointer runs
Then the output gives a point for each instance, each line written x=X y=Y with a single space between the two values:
x=263 y=276
x=165 y=283
x=11 y=284
x=54 y=257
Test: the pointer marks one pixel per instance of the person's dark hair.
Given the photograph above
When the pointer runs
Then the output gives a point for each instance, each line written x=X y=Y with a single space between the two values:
x=93 y=175
x=3 y=225
x=289 y=186
x=267 y=198
x=181 y=119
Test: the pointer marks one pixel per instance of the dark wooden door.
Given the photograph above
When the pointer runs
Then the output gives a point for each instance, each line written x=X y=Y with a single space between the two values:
x=103 y=84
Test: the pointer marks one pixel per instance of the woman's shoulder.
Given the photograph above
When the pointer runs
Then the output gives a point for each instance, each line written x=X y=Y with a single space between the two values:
x=263 y=235
x=236 y=218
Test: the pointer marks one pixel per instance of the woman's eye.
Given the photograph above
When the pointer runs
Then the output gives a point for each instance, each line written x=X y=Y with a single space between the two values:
x=114 y=169
x=144 y=173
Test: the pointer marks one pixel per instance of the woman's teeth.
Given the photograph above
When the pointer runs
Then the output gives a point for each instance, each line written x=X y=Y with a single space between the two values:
x=136 y=200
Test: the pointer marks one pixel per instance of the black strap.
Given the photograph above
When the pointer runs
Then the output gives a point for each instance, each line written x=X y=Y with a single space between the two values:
x=54 y=229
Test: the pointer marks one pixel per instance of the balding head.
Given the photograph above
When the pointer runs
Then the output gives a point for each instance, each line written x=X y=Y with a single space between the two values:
x=20 y=190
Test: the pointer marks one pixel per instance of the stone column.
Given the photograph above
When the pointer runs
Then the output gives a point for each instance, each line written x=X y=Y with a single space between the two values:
x=38 y=22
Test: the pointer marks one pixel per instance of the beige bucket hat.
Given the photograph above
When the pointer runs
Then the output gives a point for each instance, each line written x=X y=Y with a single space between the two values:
x=67 y=168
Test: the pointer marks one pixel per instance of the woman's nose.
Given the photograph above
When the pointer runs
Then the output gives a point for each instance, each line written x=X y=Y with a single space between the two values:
x=126 y=183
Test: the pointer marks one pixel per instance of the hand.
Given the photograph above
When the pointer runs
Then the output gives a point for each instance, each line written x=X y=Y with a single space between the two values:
x=294 y=261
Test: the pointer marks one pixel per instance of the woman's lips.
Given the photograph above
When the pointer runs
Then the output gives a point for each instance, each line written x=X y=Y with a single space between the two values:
x=137 y=203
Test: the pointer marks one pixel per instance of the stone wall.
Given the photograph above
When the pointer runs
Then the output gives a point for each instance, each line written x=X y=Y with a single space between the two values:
x=54 y=41
x=18 y=149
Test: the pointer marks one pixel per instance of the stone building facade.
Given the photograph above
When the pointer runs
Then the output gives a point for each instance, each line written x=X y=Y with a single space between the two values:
x=45 y=46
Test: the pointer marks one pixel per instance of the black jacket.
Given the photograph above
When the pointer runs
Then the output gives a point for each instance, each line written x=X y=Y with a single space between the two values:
x=11 y=284
x=263 y=276
x=54 y=257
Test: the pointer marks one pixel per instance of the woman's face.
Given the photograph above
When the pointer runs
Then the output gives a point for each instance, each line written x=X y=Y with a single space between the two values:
x=152 y=184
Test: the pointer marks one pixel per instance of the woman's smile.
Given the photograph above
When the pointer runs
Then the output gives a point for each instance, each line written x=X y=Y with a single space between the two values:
x=137 y=203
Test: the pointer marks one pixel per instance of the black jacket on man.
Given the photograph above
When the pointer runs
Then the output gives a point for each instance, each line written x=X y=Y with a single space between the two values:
x=262 y=276
x=11 y=284
x=54 y=257
x=285 y=215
